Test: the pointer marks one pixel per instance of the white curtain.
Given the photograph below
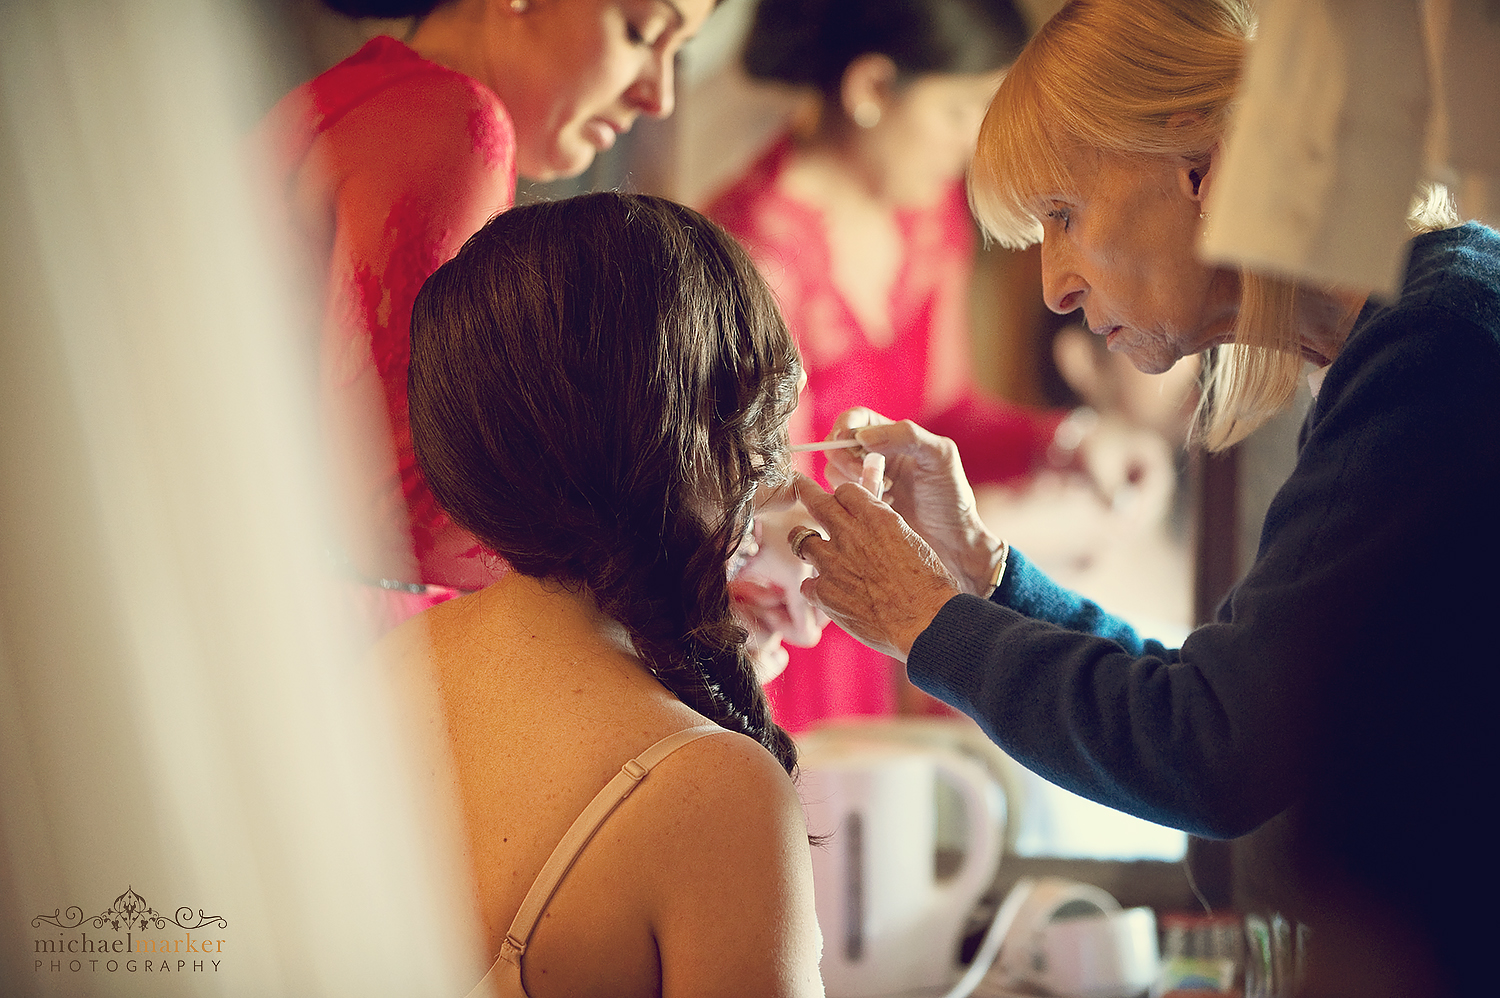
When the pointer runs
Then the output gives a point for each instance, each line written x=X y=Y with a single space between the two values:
x=190 y=734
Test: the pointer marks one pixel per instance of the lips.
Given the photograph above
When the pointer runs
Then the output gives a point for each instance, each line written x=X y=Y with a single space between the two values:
x=601 y=133
x=1108 y=332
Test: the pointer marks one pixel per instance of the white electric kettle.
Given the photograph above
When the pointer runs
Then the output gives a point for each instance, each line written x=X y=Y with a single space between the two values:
x=892 y=917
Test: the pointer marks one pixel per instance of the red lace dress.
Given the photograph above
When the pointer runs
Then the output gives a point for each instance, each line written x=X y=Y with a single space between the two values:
x=923 y=372
x=386 y=164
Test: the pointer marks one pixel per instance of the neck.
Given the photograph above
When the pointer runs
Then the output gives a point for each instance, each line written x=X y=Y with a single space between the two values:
x=838 y=163
x=451 y=36
x=1326 y=318
x=572 y=617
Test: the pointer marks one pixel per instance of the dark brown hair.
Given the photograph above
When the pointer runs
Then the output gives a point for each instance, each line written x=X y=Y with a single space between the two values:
x=812 y=42
x=383 y=8
x=597 y=387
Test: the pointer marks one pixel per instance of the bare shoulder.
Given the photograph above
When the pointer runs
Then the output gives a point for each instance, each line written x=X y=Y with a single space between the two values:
x=728 y=773
x=412 y=643
x=731 y=895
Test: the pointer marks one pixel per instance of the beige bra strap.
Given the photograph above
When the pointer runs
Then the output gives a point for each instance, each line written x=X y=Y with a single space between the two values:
x=582 y=831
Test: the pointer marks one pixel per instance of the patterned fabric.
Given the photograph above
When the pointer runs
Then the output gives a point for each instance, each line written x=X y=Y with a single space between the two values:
x=386 y=164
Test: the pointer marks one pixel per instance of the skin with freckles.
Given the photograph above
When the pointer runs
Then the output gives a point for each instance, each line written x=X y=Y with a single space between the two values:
x=1120 y=247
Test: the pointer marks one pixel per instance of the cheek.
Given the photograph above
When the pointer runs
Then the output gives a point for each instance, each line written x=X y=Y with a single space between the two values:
x=604 y=80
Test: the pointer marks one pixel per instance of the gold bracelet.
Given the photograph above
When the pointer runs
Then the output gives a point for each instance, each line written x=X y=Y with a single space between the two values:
x=999 y=570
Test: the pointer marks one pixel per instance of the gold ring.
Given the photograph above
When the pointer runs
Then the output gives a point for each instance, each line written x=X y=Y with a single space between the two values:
x=800 y=538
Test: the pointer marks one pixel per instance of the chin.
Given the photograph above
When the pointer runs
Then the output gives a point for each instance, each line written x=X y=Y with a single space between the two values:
x=559 y=166
x=1151 y=363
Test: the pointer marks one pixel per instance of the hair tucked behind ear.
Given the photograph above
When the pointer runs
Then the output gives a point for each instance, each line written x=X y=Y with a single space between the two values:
x=597 y=387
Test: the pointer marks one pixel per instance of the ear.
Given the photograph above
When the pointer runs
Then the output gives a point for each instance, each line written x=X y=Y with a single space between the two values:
x=869 y=80
x=1196 y=175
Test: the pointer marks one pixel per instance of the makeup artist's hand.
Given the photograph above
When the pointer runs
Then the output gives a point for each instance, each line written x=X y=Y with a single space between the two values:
x=927 y=487
x=880 y=581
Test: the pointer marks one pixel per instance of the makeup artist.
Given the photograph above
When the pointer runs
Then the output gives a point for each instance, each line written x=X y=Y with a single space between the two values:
x=1331 y=718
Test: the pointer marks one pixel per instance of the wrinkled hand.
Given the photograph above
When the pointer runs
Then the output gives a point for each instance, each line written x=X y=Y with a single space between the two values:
x=876 y=578
x=927 y=487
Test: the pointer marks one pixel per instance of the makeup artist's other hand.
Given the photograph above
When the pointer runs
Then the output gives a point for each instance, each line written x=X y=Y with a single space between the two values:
x=880 y=581
x=927 y=487
x=768 y=597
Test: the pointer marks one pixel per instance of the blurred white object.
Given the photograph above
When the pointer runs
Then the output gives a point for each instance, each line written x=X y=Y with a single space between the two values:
x=1072 y=940
x=1325 y=150
x=187 y=727
x=1347 y=105
x=892 y=921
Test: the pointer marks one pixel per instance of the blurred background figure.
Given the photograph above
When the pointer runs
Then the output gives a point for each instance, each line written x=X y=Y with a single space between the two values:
x=384 y=165
x=858 y=218
x=1106 y=543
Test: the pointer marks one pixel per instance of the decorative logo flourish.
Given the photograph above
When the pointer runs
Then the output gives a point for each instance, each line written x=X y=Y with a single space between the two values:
x=130 y=912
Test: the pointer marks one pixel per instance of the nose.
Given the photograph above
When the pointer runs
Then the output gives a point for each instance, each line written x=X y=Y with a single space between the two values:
x=1062 y=286
x=653 y=92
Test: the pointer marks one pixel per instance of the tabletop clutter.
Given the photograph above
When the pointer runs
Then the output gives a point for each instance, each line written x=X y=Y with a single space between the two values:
x=911 y=902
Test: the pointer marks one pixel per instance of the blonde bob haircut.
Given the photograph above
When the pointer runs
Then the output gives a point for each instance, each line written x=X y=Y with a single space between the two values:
x=1136 y=78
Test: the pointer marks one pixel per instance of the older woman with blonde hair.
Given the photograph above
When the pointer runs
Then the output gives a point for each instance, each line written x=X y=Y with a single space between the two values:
x=1327 y=718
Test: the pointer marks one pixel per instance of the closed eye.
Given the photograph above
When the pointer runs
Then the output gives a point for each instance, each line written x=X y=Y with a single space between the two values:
x=661 y=18
x=1061 y=215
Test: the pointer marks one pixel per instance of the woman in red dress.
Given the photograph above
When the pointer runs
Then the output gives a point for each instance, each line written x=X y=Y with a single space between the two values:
x=386 y=164
x=860 y=225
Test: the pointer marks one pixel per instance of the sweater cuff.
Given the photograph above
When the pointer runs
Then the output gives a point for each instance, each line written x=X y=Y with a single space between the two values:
x=947 y=658
x=1029 y=590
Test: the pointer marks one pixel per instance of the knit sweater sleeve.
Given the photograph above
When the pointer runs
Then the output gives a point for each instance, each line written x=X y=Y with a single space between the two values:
x=1075 y=694
x=1311 y=674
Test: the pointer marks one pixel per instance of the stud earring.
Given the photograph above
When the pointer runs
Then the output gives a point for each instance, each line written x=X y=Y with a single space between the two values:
x=1203 y=215
x=867 y=114
x=520 y=6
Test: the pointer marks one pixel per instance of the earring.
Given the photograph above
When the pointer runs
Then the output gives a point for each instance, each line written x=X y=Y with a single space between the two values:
x=1203 y=215
x=520 y=6
x=867 y=114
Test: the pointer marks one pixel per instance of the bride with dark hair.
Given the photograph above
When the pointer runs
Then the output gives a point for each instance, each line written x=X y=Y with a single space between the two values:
x=599 y=392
